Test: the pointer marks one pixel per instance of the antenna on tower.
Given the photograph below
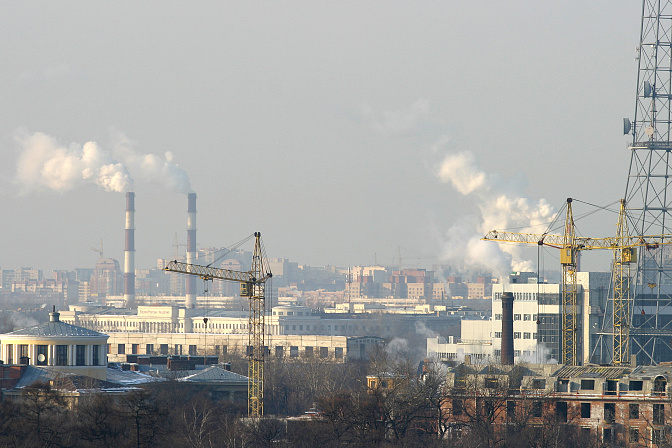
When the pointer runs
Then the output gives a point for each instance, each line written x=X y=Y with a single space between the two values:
x=648 y=192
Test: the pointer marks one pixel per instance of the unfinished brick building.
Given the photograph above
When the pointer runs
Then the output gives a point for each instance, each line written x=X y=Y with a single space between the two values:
x=602 y=405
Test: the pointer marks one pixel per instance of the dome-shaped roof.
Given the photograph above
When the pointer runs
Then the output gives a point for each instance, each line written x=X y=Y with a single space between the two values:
x=55 y=328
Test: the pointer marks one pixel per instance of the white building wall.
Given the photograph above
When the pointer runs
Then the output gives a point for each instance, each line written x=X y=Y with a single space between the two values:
x=596 y=290
x=526 y=311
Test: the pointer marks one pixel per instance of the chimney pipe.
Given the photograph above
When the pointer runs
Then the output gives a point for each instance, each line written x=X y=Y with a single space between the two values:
x=129 y=252
x=507 y=328
x=190 y=297
x=53 y=316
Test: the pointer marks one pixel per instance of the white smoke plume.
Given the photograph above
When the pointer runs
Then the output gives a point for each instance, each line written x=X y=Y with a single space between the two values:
x=542 y=355
x=13 y=320
x=44 y=163
x=400 y=122
x=501 y=206
x=397 y=346
x=422 y=330
x=150 y=167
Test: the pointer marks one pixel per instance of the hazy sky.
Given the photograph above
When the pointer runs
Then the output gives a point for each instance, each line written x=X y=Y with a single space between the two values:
x=324 y=125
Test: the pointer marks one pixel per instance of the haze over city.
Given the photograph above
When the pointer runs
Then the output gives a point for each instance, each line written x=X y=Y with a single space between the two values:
x=346 y=133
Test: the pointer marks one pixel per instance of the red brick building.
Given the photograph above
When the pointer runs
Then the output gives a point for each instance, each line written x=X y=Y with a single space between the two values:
x=602 y=405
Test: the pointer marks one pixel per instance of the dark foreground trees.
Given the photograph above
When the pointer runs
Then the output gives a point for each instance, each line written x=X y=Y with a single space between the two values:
x=394 y=406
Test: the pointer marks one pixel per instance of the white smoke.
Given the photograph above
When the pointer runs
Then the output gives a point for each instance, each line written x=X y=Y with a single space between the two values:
x=150 y=167
x=501 y=205
x=44 y=163
x=13 y=320
x=415 y=120
x=542 y=355
x=397 y=346
x=422 y=330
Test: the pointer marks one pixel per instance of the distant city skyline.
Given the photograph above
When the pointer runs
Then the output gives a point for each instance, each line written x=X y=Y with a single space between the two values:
x=345 y=133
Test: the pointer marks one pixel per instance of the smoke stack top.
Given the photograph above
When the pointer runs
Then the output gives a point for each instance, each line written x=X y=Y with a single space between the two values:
x=129 y=252
x=190 y=297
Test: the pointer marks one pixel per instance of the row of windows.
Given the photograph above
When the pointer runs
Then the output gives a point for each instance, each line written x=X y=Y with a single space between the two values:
x=222 y=326
x=633 y=412
x=291 y=313
x=543 y=298
x=328 y=328
x=609 y=411
x=498 y=353
x=223 y=350
x=102 y=323
x=61 y=353
x=517 y=334
x=524 y=317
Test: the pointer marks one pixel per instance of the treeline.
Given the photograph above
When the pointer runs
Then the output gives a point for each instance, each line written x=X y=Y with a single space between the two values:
x=398 y=407
x=172 y=413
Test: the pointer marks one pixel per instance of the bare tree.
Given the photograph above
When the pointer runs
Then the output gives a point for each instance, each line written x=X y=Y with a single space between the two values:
x=147 y=419
x=199 y=422
x=44 y=412
x=100 y=422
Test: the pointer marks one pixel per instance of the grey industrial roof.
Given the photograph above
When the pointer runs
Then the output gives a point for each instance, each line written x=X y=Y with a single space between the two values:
x=592 y=372
x=215 y=374
x=130 y=378
x=55 y=329
x=66 y=381
x=650 y=372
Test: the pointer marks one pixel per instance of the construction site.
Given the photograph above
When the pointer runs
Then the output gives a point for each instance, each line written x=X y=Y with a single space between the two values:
x=586 y=360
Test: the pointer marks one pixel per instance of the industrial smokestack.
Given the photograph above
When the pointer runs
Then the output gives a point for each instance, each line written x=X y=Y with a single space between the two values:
x=190 y=298
x=507 y=328
x=129 y=252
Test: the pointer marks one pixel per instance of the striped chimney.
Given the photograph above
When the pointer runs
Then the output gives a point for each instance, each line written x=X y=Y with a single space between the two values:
x=190 y=299
x=129 y=252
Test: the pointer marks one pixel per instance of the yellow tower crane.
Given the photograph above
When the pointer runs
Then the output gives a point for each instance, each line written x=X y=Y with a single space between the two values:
x=253 y=286
x=625 y=253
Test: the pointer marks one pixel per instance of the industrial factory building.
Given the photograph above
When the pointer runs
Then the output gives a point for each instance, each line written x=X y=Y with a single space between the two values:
x=334 y=348
x=536 y=323
x=283 y=320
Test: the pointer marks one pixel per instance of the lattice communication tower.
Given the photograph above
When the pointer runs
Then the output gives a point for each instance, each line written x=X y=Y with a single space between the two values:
x=649 y=185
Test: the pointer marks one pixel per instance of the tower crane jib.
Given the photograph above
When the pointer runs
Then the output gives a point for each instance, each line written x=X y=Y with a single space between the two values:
x=624 y=247
x=252 y=285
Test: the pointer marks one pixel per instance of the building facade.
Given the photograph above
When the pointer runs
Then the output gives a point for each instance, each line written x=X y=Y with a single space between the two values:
x=58 y=346
x=609 y=406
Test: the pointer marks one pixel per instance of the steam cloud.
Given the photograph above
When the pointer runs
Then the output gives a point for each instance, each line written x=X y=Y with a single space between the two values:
x=397 y=346
x=400 y=122
x=501 y=204
x=44 y=163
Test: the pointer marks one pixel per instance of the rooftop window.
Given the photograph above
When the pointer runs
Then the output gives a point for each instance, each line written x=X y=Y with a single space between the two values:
x=587 y=384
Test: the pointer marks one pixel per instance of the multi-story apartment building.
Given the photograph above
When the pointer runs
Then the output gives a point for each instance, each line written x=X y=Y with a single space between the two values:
x=107 y=278
x=615 y=406
x=536 y=326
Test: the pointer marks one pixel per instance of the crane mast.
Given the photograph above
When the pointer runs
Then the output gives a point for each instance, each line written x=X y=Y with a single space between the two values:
x=569 y=305
x=252 y=286
x=622 y=307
